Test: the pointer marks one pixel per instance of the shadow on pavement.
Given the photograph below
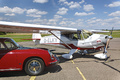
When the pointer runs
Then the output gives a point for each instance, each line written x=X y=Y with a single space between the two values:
x=51 y=69
x=12 y=73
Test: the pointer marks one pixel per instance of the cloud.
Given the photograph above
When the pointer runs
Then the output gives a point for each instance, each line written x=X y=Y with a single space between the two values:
x=5 y=9
x=114 y=21
x=94 y=21
x=114 y=4
x=74 y=5
x=11 y=11
x=40 y=1
x=43 y=21
x=105 y=12
x=103 y=23
x=37 y=21
x=1 y=18
x=71 y=4
x=62 y=0
x=88 y=7
x=12 y=14
x=52 y=22
x=82 y=1
x=18 y=10
x=57 y=16
x=117 y=13
x=83 y=14
x=35 y=13
x=62 y=23
x=62 y=11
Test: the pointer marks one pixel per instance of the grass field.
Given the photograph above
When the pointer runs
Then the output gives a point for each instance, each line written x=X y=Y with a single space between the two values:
x=115 y=34
x=18 y=37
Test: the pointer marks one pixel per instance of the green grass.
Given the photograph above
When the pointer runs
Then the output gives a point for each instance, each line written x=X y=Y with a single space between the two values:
x=115 y=34
x=20 y=37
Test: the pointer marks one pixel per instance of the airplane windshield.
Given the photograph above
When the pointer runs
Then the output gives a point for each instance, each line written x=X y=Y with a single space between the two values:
x=85 y=34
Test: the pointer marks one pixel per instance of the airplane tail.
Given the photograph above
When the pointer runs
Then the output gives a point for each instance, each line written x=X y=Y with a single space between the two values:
x=36 y=37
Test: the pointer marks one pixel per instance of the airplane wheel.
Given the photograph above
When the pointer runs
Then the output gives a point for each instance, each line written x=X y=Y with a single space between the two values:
x=83 y=54
x=34 y=66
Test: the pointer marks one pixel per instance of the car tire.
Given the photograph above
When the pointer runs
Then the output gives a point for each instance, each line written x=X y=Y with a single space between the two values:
x=34 y=66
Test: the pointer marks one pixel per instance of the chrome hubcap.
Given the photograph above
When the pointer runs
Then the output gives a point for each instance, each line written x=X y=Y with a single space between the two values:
x=34 y=66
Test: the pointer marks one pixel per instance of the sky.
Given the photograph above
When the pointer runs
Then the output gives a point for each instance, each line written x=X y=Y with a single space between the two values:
x=80 y=14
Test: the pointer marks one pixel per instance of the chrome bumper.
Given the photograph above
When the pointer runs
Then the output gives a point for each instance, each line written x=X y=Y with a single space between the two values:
x=57 y=60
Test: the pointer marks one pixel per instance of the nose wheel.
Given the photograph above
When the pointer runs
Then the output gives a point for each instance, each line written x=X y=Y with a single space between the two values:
x=101 y=56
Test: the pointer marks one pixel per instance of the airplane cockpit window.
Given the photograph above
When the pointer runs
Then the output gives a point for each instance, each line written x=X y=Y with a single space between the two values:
x=2 y=47
x=73 y=37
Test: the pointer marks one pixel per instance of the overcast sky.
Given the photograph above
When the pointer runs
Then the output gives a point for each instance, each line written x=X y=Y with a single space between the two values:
x=81 y=14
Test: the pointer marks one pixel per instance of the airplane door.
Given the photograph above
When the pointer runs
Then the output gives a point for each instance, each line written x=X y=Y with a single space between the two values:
x=84 y=44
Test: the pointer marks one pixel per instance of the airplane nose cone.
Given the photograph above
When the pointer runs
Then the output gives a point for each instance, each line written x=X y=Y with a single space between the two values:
x=110 y=37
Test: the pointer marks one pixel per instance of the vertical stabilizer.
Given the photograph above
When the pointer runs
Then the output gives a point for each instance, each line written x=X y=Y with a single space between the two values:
x=36 y=38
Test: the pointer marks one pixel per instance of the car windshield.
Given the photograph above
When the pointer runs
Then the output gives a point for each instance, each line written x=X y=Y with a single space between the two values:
x=11 y=44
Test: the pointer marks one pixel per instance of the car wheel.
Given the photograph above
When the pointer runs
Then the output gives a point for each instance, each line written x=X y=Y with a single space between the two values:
x=34 y=66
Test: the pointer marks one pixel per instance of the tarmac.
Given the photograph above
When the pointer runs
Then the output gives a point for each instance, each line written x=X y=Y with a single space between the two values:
x=79 y=68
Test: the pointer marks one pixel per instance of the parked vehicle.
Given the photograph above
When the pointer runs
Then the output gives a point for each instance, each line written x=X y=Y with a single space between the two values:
x=32 y=60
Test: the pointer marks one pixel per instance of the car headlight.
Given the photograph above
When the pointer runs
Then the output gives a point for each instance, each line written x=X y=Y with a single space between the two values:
x=51 y=54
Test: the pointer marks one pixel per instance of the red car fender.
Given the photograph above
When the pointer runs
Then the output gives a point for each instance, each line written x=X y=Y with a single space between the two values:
x=23 y=55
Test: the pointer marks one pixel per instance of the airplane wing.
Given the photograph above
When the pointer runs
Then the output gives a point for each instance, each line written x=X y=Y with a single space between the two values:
x=93 y=31
x=30 y=28
x=98 y=31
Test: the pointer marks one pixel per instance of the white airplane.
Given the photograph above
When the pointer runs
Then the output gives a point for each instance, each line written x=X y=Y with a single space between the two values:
x=72 y=38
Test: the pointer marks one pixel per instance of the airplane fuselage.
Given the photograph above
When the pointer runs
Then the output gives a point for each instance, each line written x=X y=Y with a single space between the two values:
x=92 y=42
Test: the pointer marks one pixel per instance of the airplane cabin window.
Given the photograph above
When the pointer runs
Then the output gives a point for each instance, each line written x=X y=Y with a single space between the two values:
x=74 y=36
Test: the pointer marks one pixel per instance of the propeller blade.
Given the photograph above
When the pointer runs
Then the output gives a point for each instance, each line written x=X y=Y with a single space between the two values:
x=107 y=44
x=111 y=31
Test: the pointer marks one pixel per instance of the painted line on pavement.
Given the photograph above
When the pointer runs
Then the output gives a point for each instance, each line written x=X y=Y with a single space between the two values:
x=33 y=78
x=79 y=71
x=72 y=61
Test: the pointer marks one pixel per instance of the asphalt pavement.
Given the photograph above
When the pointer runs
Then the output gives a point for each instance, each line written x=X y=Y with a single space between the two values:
x=79 y=68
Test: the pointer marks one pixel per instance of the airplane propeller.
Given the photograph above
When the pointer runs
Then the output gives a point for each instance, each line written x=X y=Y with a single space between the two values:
x=109 y=38
x=111 y=31
x=104 y=55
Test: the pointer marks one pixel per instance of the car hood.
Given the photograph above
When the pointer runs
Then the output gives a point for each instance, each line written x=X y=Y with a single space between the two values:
x=22 y=48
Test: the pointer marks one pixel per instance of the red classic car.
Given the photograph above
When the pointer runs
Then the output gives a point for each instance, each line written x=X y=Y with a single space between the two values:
x=32 y=60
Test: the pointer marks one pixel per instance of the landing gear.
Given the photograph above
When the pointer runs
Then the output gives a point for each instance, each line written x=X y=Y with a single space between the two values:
x=70 y=55
x=82 y=52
